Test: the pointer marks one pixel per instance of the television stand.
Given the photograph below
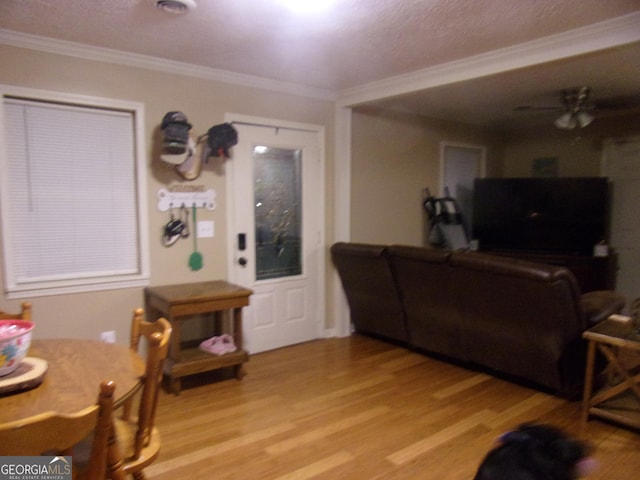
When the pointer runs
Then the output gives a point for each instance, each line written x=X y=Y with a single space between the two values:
x=592 y=273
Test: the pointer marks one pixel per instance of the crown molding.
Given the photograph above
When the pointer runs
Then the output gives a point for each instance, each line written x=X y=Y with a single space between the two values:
x=119 y=57
x=598 y=36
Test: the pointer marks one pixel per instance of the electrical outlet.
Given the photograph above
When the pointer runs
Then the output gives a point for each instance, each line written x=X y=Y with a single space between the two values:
x=205 y=229
x=108 y=336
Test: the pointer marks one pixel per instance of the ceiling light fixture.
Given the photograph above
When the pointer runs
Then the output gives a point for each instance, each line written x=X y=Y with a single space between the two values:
x=577 y=106
x=584 y=118
x=566 y=121
x=176 y=7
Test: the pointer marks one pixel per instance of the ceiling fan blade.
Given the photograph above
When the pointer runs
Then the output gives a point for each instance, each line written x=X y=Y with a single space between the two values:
x=533 y=108
x=628 y=102
x=579 y=100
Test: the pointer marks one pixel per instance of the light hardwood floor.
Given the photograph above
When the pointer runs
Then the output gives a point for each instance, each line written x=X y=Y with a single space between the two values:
x=357 y=408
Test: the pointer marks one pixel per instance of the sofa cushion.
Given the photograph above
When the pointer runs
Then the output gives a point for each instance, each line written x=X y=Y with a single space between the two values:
x=433 y=319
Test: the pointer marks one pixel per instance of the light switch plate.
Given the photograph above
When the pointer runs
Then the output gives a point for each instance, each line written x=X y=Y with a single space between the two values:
x=205 y=229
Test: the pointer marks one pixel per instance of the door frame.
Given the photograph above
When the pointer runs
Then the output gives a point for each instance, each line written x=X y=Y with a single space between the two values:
x=319 y=130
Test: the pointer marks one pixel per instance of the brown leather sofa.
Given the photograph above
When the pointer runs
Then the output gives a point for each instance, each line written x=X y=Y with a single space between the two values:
x=509 y=316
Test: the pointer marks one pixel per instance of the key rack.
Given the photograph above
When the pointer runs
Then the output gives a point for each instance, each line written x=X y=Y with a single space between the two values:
x=187 y=196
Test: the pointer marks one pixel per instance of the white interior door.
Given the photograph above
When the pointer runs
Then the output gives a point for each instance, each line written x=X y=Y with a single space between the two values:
x=460 y=166
x=622 y=166
x=276 y=234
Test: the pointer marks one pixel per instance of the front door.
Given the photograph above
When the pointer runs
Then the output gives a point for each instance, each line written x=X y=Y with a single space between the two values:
x=275 y=180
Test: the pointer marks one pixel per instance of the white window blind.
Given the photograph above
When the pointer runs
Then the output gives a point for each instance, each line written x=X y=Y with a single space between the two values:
x=71 y=215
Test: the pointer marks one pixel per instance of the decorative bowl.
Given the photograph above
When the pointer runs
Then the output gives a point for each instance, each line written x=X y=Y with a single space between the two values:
x=15 y=339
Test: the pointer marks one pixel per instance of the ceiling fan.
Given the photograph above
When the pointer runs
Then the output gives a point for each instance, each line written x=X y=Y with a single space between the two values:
x=575 y=107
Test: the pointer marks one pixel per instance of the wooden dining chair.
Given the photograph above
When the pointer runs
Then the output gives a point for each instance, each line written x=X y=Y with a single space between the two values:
x=138 y=439
x=55 y=434
x=25 y=313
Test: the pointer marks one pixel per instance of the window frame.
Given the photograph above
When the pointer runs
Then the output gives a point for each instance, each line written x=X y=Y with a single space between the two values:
x=15 y=290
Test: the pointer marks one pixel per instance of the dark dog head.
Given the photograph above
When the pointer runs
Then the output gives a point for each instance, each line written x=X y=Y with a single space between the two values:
x=535 y=452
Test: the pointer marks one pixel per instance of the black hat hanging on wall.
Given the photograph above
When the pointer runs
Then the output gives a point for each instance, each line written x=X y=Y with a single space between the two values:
x=220 y=139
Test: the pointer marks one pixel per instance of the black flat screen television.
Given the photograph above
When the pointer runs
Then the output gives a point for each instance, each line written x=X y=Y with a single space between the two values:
x=563 y=215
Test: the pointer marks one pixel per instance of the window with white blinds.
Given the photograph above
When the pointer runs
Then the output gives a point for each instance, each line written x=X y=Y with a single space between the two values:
x=72 y=206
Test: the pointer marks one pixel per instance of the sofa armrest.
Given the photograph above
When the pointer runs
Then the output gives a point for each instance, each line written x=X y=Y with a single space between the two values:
x=370 y=288
x=599 y=304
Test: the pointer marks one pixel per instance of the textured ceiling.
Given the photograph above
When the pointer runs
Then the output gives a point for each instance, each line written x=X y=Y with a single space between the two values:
x=354 y=43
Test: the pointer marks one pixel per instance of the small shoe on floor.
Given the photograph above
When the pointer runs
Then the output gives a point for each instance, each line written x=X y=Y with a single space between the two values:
x=219 y=345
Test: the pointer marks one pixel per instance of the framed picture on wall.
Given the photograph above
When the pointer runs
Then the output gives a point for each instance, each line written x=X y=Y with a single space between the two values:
x=545 y=167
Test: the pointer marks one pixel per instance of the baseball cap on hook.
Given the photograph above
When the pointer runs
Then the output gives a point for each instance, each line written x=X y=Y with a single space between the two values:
x=175 y=141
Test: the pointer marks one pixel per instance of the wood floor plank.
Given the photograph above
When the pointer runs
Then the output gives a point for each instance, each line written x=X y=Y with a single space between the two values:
x=326 y=430
x=354 y=388
x=218 y=449
x=317 y=468
x=428 y=443
x=461 y=386
x=518 y=412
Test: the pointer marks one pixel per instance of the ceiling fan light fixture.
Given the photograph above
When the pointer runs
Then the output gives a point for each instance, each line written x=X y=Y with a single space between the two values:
x=577 y=105
x=176 y=7
x=584 y=118
x=566 y=121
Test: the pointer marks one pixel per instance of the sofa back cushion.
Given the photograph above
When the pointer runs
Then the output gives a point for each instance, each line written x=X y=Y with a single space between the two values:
x=370 y=289
x=424 y=281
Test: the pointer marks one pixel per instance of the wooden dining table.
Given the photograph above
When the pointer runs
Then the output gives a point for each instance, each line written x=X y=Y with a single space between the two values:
x=75 y=368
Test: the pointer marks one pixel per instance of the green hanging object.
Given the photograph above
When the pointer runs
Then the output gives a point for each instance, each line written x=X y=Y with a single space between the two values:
x=195 y=259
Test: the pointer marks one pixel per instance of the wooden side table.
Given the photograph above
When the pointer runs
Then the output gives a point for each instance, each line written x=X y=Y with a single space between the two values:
x=176 y=302
x=619 y=399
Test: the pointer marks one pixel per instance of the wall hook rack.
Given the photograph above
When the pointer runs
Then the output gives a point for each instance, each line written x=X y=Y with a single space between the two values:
x=187 y=196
